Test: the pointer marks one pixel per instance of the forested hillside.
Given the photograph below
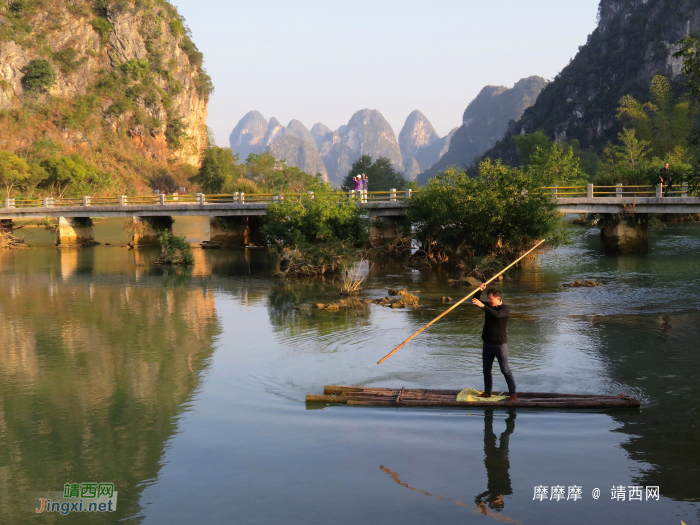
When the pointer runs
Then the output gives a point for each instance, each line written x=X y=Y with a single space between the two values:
x=635 y=41
x=98 y=96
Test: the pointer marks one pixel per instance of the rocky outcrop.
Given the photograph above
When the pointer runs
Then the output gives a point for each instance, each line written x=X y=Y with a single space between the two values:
x=625 y=238
x=367 y=133
x=300 y=153
x=158 y=105
x=297 y=129
x=319 y=132
x=417 y=133
x=485 y=121
x=274 y=130
x=634 y=41
x=247 y=137
x=428 y=156
x=292 y=143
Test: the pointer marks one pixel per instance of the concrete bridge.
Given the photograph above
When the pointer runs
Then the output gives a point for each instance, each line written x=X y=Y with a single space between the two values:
x=235 y=218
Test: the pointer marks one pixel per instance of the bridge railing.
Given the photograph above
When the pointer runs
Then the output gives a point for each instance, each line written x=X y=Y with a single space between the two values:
x=618 y=191
x=363 y=197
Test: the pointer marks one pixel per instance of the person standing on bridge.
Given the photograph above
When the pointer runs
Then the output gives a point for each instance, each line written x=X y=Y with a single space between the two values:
x=495 y=340
x=665 y=179
x=365 y=182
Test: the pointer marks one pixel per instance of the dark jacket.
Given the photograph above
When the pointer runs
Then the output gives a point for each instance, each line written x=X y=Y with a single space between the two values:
x=495 y=323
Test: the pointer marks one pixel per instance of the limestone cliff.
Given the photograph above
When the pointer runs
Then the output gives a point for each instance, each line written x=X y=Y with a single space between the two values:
x=417 y=133
x=634 y=41
x=247 y=137
x=367 y=133
x=319 y=132
x=292 y=143
x=485 y=121
x=116 y=81
x=300 y=153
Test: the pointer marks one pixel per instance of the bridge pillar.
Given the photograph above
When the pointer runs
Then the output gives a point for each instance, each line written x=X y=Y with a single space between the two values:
x=144 y=230
x=6 y=225
x=625 y=238
x=384 y=230
x=76 y=231
x=236 y=231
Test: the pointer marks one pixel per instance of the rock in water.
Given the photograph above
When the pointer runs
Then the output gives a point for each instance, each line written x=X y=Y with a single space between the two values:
x=580 y=284
x=626 y=238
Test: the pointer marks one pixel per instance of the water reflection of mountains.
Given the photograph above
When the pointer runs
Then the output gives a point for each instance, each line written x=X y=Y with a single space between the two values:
x=92 y=381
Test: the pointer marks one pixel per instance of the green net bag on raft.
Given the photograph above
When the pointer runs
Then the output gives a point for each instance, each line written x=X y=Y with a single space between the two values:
x=471 y=395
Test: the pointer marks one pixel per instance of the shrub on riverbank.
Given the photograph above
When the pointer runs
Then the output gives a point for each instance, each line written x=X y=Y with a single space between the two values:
x=174 y=250
x=316 y=233
x=498 y=213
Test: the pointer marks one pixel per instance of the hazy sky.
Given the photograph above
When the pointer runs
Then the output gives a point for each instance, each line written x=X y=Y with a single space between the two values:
x=323 y=60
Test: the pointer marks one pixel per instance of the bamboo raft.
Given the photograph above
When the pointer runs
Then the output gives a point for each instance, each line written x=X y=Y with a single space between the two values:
x=421 y=397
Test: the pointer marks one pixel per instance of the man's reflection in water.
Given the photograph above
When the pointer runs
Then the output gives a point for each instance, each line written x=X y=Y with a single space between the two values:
x=496 y=462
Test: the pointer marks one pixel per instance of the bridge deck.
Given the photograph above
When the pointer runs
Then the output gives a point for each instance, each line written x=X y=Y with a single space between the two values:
x=380 y=209
x=576 y=200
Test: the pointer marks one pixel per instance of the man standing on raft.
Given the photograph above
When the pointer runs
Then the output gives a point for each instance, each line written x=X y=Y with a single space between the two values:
x=494 y=337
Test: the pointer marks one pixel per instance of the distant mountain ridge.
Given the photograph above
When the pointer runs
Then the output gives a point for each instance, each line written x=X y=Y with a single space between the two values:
x=367 y=133
x=419 y=151
x=417 y=133
x=294 y=143
x=485 y=121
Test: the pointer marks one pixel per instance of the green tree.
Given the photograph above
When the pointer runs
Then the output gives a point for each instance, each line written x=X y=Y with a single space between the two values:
x=689 y=52
x=14 y=171
x=219 y=169
x=38 y=75
x=663 y=122
x=270 y=175
x=381 y=175
x=72 y=175
x=625 y=163
x=500 y=211
x=175 y=131
x=528 y=144
x=327 y=217
x=556 y=165
x=175 y=250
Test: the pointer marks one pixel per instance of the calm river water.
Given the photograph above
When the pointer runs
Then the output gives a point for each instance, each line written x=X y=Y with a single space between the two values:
x=186 y=390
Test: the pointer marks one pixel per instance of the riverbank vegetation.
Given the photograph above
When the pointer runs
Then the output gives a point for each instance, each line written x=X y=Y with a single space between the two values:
x=316 y=233
x=221 y=172
x=656 y=129
x=175 y=250
x=496 y=214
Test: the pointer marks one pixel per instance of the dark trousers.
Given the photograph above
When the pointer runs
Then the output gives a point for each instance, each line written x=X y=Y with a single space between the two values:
x=500 y=352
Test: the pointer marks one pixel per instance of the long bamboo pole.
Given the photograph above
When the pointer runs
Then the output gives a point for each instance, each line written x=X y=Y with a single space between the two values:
x=443 y=314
